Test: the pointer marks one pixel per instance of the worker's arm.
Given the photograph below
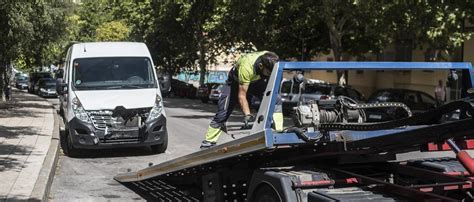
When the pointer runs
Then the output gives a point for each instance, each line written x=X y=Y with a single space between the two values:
x=243 y=98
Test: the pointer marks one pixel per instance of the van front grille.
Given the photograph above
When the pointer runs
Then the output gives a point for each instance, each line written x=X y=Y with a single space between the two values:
x=101 y=119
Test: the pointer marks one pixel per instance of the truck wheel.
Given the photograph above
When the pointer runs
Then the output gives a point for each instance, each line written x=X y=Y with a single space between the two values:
x=266 y=194
x=215 y=101
x=160 y=148
x=204 y=100
x=66 y=144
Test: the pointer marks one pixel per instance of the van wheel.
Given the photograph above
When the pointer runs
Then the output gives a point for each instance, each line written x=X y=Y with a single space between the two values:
x=266 y=194
x=66 y=144
x=160 y=148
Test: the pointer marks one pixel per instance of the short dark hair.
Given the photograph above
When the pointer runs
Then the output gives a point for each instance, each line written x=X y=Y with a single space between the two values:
x=268 y=60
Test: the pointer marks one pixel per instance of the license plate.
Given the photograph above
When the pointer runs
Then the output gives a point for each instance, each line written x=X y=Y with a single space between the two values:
x=375 y=116
x=128 y=134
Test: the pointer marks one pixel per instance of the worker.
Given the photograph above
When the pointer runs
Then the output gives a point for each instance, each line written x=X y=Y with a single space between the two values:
x=248 y=76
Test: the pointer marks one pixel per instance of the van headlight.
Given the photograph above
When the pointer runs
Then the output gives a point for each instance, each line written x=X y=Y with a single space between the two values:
x=43 y=90
x=156 y=110
x=79 y=111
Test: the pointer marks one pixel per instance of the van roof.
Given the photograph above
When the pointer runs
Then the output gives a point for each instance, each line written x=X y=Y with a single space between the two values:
x=109 y=49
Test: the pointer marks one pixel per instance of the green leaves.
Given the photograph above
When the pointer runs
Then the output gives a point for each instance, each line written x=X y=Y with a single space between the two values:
x=112 y=31
x=32 y=31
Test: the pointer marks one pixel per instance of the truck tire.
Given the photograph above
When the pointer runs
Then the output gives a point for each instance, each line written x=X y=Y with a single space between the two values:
x=203 y=100
x=265 y=193
x=160 y=148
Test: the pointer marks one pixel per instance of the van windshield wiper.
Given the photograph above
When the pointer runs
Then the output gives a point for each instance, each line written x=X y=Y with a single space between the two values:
x=124 y=86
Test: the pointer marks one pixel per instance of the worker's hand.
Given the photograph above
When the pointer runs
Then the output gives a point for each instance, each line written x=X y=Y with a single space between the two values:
x=249 y=118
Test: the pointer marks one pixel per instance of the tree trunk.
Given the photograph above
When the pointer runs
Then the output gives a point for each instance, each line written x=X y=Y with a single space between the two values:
x=202 y=60
x=4 y=81
x=336 y=46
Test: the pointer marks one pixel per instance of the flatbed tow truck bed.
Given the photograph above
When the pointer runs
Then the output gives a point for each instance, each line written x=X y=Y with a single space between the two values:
x=342 y=164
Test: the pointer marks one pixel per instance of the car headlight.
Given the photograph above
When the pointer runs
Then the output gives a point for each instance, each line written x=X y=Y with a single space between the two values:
x=156 y=110
x=43 y=90
x=79 y=111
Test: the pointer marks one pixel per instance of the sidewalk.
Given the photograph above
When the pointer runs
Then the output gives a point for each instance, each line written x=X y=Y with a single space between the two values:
x=26 y=133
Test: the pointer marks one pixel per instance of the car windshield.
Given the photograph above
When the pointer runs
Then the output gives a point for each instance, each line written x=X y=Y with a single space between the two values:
x=23 y=78
x=50 y=83
x=37 y=76
x=382 y=96
x=113 y=73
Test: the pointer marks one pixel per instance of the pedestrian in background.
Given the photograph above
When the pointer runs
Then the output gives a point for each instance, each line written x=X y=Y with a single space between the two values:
x=440 y=93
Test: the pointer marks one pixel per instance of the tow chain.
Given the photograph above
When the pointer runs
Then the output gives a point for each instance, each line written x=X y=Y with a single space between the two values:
x=418 y=119
x=374 y=105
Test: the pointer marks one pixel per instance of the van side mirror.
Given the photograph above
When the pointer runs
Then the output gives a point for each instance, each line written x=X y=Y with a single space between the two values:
x=61 y=87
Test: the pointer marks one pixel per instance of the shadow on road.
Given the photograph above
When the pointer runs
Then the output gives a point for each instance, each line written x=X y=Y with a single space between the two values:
x=111 y=153
x=189 y=104
x=6 y=149
x=9 y=163
x=196 y=105
x=116 y=152
x=21 y=105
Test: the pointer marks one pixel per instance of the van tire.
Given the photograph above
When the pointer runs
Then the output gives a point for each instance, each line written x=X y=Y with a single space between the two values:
x=160 y=148
x=66 y=144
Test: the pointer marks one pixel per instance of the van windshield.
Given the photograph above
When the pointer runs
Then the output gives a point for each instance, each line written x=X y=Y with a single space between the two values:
x=112 y=73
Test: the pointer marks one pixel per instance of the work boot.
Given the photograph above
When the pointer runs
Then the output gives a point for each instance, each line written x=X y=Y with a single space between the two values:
x=207 y=144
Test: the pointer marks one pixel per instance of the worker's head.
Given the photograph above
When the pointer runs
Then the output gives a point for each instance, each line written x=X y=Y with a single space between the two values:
x=265 y=63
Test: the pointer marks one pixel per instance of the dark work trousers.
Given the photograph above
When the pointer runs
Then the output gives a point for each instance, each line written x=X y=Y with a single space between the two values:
x=228 y=99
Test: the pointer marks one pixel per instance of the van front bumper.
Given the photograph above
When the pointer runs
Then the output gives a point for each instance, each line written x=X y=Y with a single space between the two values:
x=85 y=136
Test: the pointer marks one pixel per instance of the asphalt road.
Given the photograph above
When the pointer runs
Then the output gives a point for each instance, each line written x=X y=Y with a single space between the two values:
x=91 y=178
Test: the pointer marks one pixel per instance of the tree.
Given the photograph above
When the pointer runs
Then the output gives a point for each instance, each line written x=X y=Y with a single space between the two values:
x=186 y=35
x=112 y=31
x=138 y=15
x=285 y=27
x=30 y=34
x=171 y=42
x=92 y=14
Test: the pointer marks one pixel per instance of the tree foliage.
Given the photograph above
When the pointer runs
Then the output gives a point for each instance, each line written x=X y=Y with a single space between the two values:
x=112 y=31
x=189 y=35
x=31 y=34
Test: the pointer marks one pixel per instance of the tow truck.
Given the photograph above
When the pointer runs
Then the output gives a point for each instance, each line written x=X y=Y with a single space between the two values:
x=329 y=152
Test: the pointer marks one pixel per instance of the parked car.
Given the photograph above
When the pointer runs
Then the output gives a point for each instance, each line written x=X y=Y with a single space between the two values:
x=314 y=90
x=111 y=98
x=34 y=78
x=178 y=88
x=21 y=82
x=204 y=91
x=19 y=75
x=47 y=87
x=216 y=91
x=164 y=79
x=417 y=101
x=190 y=91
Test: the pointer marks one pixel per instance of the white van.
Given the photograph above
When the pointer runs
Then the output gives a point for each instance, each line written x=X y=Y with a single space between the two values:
x=110 y=97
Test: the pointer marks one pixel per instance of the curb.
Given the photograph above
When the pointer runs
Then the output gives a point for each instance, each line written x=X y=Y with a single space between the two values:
x=48 y=169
